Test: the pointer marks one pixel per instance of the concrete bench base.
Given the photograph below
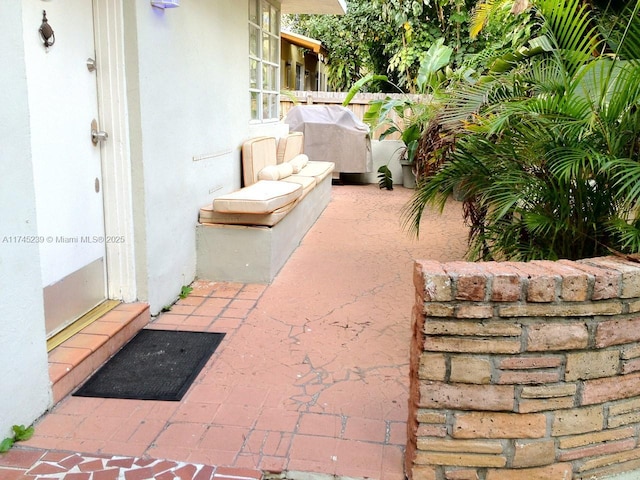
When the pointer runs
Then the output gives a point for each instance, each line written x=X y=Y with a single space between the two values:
x=238 y=253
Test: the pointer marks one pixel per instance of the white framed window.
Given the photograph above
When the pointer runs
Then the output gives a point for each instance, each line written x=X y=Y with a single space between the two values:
x=264 y=60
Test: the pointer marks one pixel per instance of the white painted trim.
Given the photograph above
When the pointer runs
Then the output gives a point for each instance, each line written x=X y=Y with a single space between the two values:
x=116 y=157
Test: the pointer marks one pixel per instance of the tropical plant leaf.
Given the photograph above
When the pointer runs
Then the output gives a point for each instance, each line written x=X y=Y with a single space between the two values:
x=372 y=114
x=291 y=96
x=379 y=114
x=389 y=131
x=355 y=89
x=437 y=57
x=510 y=60
x=411 y=134
x=385 y=178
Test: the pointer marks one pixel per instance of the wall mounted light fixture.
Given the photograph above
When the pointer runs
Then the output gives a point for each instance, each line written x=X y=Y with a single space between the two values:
x=165 y=3
x=46 y=32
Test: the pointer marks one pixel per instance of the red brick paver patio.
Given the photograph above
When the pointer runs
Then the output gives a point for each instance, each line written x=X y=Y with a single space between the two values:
x=312 y=375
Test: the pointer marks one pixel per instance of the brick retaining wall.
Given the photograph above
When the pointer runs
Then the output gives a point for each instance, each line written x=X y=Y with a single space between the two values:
x=525 y=371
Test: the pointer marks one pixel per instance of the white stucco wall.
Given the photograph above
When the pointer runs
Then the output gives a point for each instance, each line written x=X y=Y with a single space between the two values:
x=189 y=80
x=188 y=114
x=24 y=378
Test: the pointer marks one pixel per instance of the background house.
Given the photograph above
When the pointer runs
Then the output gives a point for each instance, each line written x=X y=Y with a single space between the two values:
x=303 y=63
x=84 y=217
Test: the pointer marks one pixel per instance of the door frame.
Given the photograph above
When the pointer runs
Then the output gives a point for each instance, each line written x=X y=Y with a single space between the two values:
x=116 y=156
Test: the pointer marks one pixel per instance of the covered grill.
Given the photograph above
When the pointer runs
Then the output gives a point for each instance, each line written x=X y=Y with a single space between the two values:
x=333 y=133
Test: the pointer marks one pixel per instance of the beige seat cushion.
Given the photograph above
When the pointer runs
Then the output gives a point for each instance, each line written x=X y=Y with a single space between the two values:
x=209 y=216
x=264 y=196
x=257 y=154
x=317 y=170
x=308 y=183
x=289 y=146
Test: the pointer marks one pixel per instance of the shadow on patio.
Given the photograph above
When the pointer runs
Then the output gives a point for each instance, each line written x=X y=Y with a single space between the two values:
x=312 y=375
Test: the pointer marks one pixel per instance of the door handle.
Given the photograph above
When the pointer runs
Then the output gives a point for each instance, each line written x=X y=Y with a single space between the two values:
x=97 y=136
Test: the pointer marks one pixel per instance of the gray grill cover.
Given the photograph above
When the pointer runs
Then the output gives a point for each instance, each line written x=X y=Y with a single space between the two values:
x=334 y=134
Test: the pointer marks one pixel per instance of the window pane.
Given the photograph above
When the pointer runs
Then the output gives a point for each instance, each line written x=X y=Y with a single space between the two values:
x=275 y=26
x=269 y=107
x=266 y=16
x=265 y=107
x=266 y=46
x=254 y=41
x=254 y=74
x=273 y=102
x=255 y=106
x=253 y=11
x=268 y=77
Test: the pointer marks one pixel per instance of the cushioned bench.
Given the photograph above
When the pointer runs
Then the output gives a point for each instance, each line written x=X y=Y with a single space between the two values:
x=249 y=234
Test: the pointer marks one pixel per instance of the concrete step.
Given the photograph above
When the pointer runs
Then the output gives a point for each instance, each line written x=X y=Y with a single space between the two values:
x=74 y=360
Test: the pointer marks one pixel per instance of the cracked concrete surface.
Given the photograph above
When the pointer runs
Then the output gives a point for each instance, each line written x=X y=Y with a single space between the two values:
x=313 y=373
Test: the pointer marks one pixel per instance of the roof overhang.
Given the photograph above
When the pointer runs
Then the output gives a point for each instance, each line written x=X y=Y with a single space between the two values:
x=322 y=7
x=304 y=42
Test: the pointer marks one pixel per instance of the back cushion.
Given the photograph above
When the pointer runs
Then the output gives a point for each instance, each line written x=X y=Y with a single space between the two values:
x=298 y=162
x=290 y=146
x=276 y=172
x=257 y=153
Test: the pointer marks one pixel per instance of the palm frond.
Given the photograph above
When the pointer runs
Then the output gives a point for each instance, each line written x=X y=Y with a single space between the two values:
x=625 y=174
x=464 y=102
x=572 y=30
x=575 y=162
x=627 y=234
x=624 y=39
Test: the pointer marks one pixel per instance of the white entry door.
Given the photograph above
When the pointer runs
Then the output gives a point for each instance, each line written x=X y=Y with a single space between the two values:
x=63 y=102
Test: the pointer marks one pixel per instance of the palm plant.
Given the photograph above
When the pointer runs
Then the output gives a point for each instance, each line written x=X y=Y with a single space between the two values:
x=547 y=159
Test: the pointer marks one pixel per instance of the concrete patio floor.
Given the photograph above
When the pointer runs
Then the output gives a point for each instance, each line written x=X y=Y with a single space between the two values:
x=312 y=375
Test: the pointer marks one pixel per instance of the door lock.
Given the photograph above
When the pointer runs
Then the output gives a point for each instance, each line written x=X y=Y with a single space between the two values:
x=97 y=135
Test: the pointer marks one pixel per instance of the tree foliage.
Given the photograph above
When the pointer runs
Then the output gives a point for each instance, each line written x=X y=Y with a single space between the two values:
x=356 y=42
x=547 y=157
x=391 y=37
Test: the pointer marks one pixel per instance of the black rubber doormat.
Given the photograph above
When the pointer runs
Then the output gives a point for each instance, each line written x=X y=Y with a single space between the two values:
x=154 y=365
